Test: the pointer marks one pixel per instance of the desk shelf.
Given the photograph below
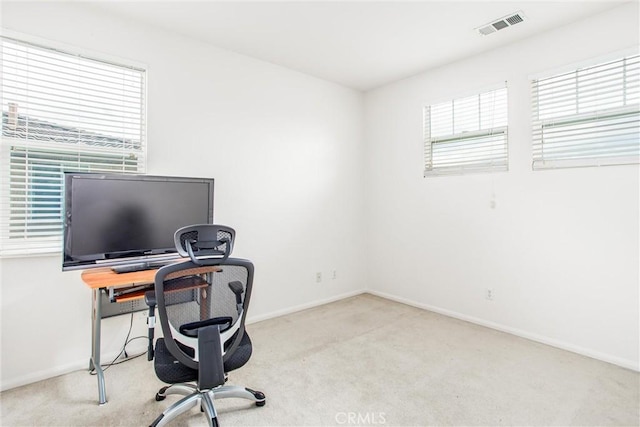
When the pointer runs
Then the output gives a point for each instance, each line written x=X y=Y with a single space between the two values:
x=187 y=283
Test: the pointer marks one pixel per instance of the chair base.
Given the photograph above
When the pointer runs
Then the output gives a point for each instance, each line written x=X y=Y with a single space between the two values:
x=204 y=398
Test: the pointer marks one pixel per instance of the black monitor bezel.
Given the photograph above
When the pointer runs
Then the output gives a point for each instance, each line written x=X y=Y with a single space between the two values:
x=149 y=256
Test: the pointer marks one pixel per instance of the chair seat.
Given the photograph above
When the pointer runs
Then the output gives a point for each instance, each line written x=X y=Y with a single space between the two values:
x=170 y=371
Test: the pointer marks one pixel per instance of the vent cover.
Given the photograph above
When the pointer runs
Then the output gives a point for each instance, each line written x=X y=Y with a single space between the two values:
x=501 y=24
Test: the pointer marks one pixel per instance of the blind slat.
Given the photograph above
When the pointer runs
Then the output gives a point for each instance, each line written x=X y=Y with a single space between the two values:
x=467 y=134
x=589 y=116
x=61 y=113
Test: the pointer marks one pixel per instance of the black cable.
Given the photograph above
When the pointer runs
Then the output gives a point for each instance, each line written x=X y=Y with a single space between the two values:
x=126 y=340
x=123 y=351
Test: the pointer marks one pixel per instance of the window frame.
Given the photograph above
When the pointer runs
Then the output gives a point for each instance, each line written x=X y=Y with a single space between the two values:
x=627 y=113
x=494 y=136
x=100 y=154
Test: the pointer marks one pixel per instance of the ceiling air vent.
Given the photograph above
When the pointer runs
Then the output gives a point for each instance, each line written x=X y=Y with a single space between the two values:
x=501 y=24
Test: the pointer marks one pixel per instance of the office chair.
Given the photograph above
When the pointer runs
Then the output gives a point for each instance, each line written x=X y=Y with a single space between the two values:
x=202 y=305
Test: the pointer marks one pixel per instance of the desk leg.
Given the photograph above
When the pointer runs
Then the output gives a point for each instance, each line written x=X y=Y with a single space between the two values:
x=94 y=363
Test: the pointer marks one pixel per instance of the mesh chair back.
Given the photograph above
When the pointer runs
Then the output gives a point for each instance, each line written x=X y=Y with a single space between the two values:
x=191 y=296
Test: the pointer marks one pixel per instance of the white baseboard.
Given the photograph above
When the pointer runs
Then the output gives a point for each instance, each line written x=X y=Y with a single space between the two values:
x=77 y=365
x=44 y=374
x=294 y=309
x=84 y=364
x=625 y=363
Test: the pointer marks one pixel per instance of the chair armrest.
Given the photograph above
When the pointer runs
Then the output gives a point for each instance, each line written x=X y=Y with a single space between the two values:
x=150 y=298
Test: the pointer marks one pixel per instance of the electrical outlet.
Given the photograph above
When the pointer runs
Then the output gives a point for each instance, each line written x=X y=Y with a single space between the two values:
x=489 y=294
x=318 y=277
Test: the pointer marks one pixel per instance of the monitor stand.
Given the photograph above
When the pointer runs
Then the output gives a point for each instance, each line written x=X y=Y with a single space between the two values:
x=130 y=268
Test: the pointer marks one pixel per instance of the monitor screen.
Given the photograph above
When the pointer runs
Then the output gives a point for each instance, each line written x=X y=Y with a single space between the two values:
x=114 y=219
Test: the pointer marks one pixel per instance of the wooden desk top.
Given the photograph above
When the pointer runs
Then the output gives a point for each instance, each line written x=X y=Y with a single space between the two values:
x=107 y=278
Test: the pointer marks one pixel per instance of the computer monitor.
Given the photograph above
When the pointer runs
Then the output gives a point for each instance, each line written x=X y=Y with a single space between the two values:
x=119 y=219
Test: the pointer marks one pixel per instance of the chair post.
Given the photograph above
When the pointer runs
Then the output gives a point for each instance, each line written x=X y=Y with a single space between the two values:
x=150 y=300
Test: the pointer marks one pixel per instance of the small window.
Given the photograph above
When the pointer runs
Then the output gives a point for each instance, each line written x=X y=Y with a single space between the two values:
x=588 y=116
x=61 y=112
x=467 y=134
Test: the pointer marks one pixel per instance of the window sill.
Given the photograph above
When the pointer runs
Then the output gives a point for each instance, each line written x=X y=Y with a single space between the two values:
x=29 y=253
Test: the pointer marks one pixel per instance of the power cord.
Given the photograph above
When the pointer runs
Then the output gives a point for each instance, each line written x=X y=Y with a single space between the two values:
x=123 y=350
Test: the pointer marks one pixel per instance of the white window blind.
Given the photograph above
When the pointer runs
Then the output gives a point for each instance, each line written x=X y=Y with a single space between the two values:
x=61 y=112
x=587 y=117
x=467 y=134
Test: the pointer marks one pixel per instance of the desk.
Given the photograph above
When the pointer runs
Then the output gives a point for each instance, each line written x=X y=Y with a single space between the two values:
x=103 y=279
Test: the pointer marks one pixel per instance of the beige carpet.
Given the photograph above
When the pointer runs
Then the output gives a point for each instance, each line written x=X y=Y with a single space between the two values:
x=363 y=361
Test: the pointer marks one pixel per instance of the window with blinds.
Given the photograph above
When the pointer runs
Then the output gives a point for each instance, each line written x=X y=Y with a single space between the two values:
x=587 y=117
x=467 y=134
x=61 y=112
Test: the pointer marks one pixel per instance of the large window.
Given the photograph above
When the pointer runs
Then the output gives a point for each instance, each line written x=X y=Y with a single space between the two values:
x=61 y=112
x=467 y=134
x=588 y=116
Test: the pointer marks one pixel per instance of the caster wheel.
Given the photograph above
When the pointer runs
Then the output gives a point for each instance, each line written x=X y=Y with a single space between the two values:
x=258 y=395
x=160 y=397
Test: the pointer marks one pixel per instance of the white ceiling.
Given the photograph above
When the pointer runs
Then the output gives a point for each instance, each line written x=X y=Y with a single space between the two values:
x=358 y=44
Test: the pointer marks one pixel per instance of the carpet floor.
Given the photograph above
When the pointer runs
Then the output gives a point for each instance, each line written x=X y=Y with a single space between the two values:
x=362 y=361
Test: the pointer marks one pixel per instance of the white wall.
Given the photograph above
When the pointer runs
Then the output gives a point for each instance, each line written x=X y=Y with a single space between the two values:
x=560 y=249
x=285 y=150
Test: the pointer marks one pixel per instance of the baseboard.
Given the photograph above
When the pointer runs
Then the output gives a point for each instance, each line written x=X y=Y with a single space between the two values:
x=625 y=363
x=294 y=309
x=44 y=374
x=84 y=364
